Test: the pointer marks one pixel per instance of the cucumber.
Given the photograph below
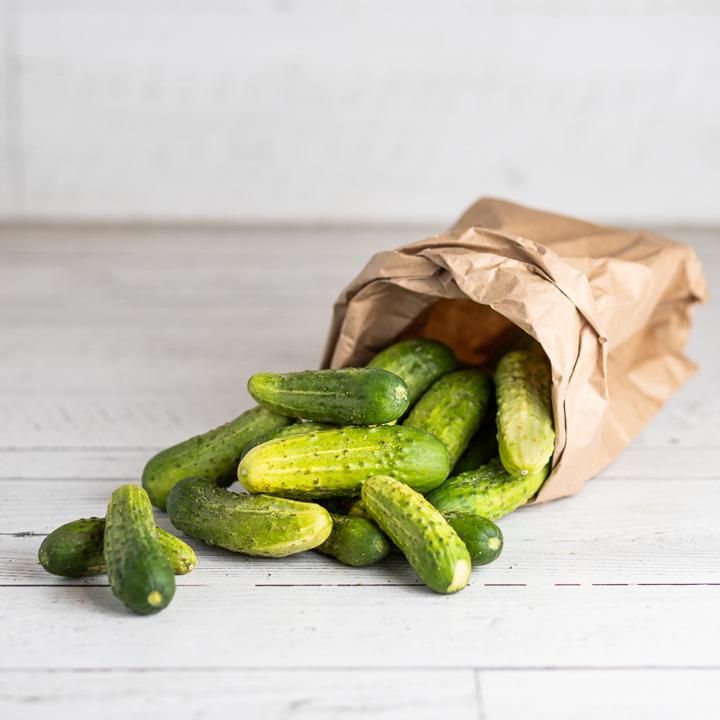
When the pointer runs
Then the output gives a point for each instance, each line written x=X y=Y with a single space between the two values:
x=482 y=537
x=526 y=436
x=336 y=462
x=432 y=547
x=352 y=396
x=488 y=491
x=355 y=541
x=453 y=409
x=298 y=428
x=139 y=573
x=76 y=549
x=418 y=362
x=358 y=509
x=214 y=455
x=251 y=524
x=481 y=449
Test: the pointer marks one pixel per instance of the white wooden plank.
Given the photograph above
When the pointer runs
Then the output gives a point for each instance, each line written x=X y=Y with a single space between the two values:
x=260 y=695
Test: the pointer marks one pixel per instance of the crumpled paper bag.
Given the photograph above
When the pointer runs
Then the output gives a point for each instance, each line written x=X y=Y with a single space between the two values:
x=610 y=307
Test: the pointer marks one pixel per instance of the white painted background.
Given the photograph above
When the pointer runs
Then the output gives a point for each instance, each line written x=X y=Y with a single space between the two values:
x=329 y=110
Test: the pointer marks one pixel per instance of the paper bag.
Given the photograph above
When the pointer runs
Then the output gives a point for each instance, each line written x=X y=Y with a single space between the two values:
x=611 y=308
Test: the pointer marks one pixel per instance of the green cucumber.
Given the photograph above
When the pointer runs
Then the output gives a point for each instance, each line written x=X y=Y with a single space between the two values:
x=481 y=449
x=251 y=524
x=526 y=436
x=482 y=537
x=76 y=549
x=336 y=462
x=355 y=541
x=214 y=455
x=453 y=409
x=432 y=547
x=298 y=428
x=488 y=491
x=418 y=362
x=139 y=573
x=358 y=509
x=351 y=396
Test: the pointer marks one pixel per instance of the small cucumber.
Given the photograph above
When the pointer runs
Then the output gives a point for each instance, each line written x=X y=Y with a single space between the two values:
x=432 y=547
x=76 y=549
x=482 y=537
x=298 y=428
x=488 y=491
x=139 y=573
x=418 y=362
x=214 y=455
x=250 y=524
x=526 y=436
x=480 y=450
x=355 y=541
x=336 y=462
x=453 y=409
x=352 y=396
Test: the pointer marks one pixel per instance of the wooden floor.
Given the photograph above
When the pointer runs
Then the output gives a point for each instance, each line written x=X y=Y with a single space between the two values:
x=117 y=342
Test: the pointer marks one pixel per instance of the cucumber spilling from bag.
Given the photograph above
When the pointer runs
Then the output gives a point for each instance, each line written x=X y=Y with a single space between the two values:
x=526 y=435
x=432 y=547
x=351 y=396
x=355 y=541
x=213 y=455
x=482 y=448
x=482 y=537
x=139 y=573
x=297 y=428
x=453 y=409
x=336 y=462
x=418 y=362
x=251 y=524
x=488 y=491
x=76 y=549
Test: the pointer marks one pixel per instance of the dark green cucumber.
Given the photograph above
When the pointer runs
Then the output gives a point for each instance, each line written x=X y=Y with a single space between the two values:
x=336 y=462
x=76 y=549
x=488 y=491
x=453 y=409
x=418 y=362
x=428 y=541
x=526 y=436
x=298 y=428
x=355 y=541
x=481 y=449
x=482 y=537
x=214 y=455
x=251 y=524
x=139 y=573
x=351 y=396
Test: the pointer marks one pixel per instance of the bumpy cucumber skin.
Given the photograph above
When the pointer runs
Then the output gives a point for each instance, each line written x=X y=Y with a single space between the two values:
x=297 y=428
x=251 y=524
x=336 y=462
x=76 y=549
x=432 y=547
x=139 y=573
x=418 y=362
x=453 y=409
x=214 y=455
x=526 y=436
x=488 y=491
x=482 y=448
x=482 y=537
x=355 y=541
x=351 y=396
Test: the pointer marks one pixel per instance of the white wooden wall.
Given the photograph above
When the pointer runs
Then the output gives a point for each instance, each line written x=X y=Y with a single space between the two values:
x=330 y=110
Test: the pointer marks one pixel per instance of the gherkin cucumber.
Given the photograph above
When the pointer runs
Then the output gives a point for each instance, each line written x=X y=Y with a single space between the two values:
x=355 y=541
x=418 y=362
x=351 y=396
x=298 y=428
x=76 y=549
x=453 y=409
x=251 y=524
x=214 y=455
x=488 y=491
x=432 y=547
x=481 y=449
x=139 y=573
x=526 y=436
x=336 y=462
x=482 y=537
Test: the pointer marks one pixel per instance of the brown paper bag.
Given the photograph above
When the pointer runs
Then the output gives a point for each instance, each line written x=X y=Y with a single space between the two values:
x=610 y=307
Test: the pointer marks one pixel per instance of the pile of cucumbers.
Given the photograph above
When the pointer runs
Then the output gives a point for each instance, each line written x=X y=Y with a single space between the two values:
x=409 y=454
